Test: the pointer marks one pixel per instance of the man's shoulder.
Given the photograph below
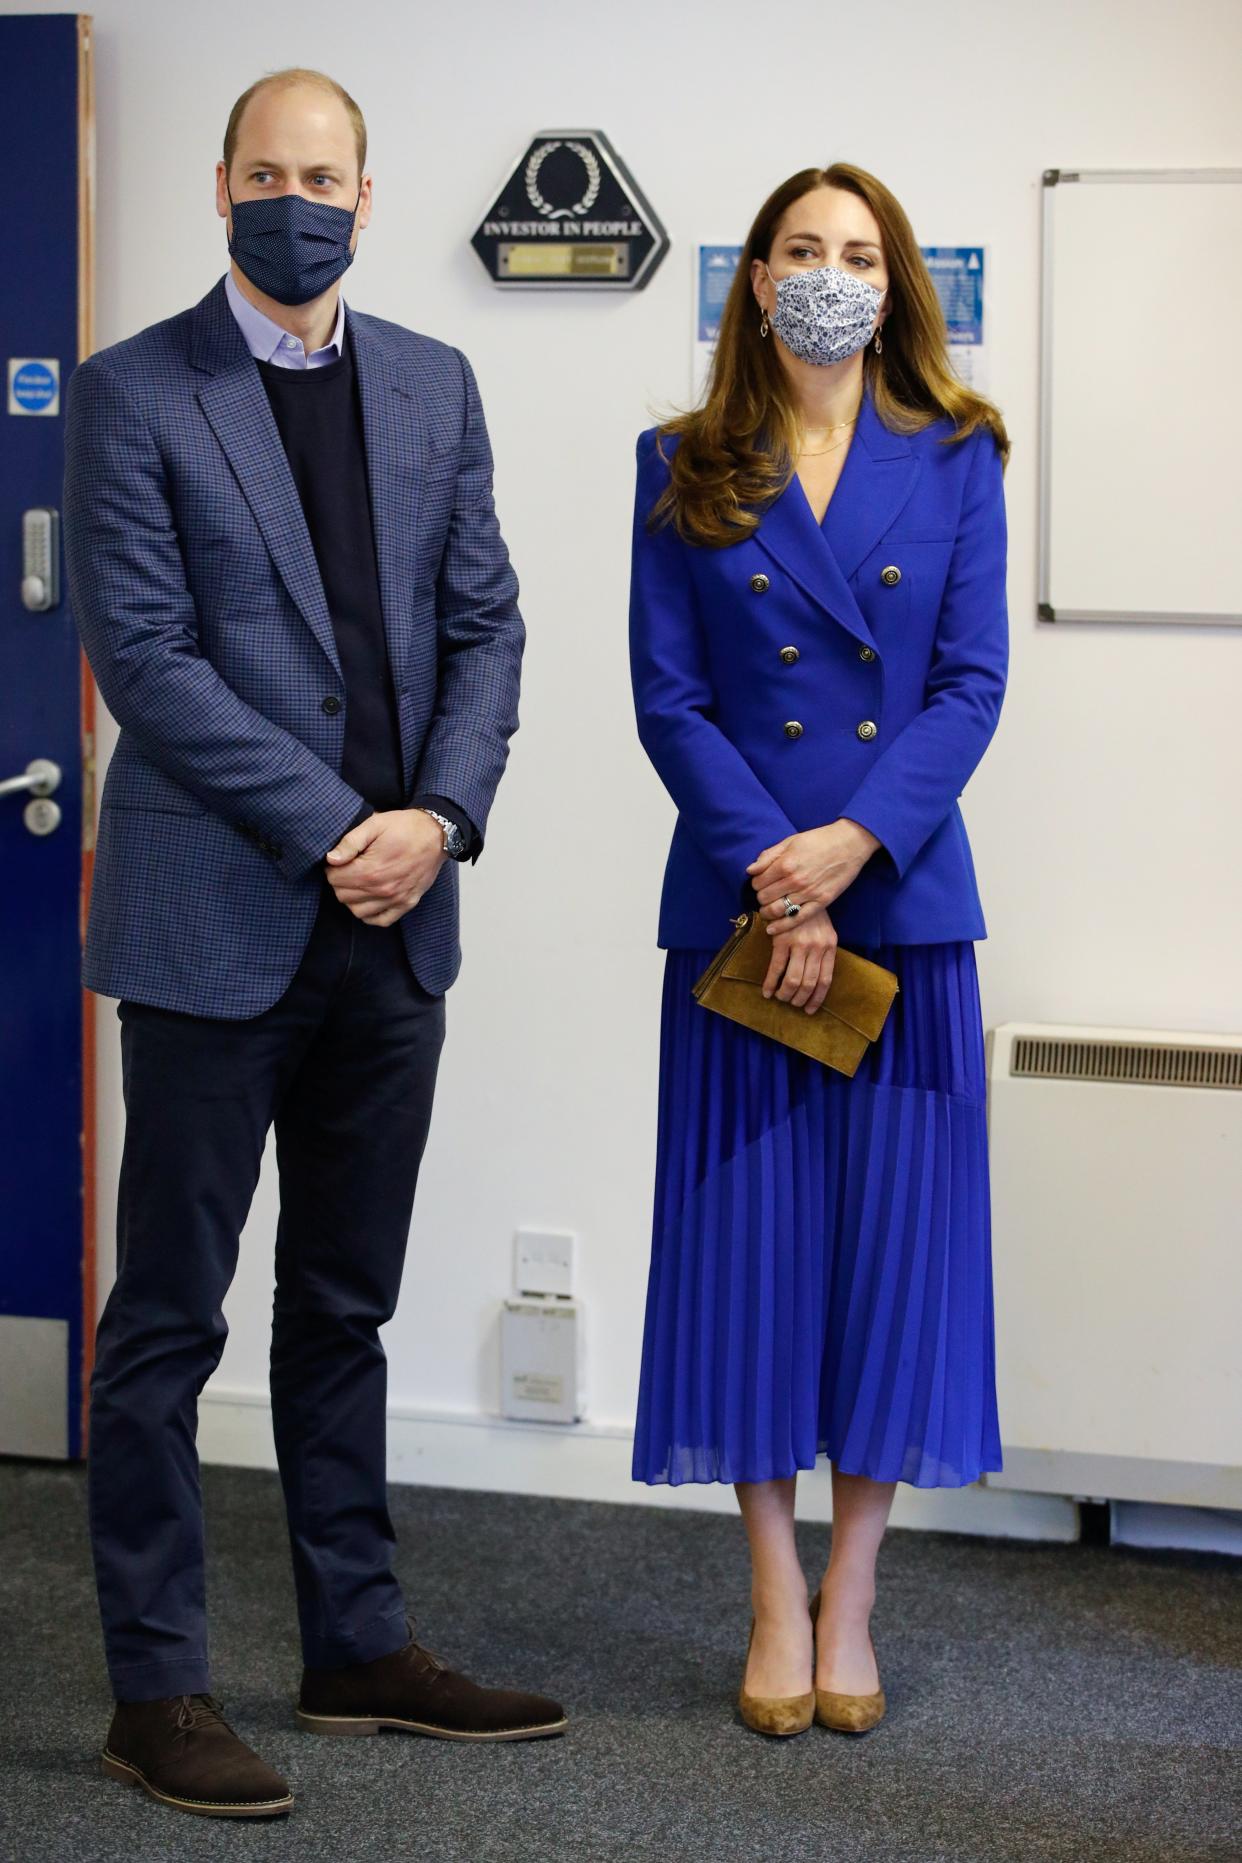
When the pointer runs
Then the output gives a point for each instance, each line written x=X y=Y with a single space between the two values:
x=155 y=358
x=149 y=353
x=410 y=349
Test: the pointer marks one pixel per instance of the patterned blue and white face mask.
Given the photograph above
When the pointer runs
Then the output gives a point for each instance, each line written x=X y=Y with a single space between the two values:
x=824 y=314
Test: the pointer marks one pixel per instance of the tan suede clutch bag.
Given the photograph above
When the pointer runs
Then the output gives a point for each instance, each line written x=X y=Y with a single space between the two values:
x=851 y=1016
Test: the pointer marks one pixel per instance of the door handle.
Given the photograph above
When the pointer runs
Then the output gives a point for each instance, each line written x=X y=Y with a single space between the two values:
x=40 y=778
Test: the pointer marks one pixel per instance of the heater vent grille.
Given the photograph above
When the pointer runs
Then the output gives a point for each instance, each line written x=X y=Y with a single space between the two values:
x=1142 y=1064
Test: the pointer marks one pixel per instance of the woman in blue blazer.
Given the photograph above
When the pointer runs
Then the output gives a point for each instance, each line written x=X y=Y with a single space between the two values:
x=819 y=653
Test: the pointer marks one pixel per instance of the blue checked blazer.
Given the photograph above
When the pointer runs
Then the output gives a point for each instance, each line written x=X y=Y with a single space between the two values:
x=811 y=672
x=202 y=612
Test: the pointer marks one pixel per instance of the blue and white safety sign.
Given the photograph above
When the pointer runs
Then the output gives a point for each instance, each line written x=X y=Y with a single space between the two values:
x=957 y=273
x=34 y=385
x=715 y=262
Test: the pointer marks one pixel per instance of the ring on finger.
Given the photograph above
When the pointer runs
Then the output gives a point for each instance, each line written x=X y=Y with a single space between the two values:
x=792 y=909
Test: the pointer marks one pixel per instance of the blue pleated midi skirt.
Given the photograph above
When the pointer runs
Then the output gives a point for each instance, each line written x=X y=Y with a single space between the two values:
x=821 y=1273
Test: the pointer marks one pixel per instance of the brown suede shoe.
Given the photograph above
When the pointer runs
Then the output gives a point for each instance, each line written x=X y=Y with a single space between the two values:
x=774 y=1714
x=413 y=1690
x=182 y=1751
x=847 y=1714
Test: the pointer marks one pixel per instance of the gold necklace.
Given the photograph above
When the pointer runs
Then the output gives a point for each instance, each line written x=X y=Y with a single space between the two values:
x=836 y=445
x=820 y=451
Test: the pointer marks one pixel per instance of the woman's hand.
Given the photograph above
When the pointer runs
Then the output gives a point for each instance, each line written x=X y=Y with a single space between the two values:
x=803 y=958
x=812 y=868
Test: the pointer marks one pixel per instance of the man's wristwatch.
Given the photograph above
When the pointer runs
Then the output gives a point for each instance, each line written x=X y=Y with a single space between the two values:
x=454 y=839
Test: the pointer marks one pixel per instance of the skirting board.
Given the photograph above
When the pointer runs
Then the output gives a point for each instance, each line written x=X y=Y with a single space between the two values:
x=591 y=1462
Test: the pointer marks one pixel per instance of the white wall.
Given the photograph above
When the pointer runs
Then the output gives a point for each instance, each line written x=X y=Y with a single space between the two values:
x=1098 y=818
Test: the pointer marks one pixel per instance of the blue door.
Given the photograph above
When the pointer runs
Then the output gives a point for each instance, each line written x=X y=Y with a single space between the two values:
x=46 y=736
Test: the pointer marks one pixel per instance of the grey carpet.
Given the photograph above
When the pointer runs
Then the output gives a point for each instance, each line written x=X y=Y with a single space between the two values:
x=1045 y=1701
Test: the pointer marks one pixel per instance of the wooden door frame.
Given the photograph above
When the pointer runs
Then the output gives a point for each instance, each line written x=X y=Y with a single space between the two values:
x=86 y=346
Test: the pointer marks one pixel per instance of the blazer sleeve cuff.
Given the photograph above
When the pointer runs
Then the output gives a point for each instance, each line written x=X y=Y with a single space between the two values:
x=444 y=805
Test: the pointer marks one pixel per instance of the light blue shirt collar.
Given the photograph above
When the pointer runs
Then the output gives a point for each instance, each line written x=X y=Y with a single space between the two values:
x=267 y=342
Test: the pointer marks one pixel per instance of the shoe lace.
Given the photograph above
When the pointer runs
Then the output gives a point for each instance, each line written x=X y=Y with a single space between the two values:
x=198 y=1711
x=423 y=1657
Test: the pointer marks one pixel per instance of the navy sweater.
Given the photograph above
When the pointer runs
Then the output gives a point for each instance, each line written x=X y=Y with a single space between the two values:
x=319 y=416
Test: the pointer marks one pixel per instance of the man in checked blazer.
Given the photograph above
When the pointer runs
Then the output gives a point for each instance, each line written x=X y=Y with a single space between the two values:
x=290 y=583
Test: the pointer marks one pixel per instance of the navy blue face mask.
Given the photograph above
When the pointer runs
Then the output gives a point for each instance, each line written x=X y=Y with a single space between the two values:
x=291 y=248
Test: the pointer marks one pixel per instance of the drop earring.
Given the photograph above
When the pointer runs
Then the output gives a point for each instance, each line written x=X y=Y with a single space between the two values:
x=879 y=344
x=763 y=322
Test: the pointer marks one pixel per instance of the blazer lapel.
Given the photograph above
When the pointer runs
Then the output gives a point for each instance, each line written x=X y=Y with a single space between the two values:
x=394 y=442
x=876 y=481
x=236 y=404
x=874 y=488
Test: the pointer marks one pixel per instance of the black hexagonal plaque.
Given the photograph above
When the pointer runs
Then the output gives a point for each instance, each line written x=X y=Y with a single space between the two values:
x=570 y=216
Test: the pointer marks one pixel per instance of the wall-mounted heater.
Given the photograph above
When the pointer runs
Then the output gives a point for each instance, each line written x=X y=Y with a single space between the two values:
x=1116 y=1171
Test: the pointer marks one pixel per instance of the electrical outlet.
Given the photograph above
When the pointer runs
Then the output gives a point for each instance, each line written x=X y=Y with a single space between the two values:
x=543 y=1262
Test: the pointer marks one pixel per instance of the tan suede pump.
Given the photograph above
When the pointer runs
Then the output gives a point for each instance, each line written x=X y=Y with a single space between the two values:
x=846 y=1714
x=774 y=1714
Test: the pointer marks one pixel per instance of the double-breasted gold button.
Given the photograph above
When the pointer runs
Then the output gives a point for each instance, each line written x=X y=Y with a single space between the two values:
x=790 y=655
x=866 y=729
x=793 y=728
x=891 y=575
x=866 y=653
x=760 y=584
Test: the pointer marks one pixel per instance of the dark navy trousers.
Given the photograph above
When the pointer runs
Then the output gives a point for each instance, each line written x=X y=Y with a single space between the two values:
x=344 y=1067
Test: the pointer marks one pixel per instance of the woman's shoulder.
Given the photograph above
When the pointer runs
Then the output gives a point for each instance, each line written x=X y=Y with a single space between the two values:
x=656 y=443
x=655 y=449
x=945 y=448
x=930 y=437
x=958 y=444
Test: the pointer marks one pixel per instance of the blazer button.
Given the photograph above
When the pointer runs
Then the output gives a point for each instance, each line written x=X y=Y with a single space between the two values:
x=866 y=653
x=793 y=728
x=331 y=705
x=760 y=584
x=890 y=575
x=790 y=655
x=866 y=729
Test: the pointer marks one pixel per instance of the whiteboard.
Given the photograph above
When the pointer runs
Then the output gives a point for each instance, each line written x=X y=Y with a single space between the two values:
x=1141 y=396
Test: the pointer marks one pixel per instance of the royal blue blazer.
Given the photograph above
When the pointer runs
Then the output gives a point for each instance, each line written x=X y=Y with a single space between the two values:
x=202 y=611
x=811 y=672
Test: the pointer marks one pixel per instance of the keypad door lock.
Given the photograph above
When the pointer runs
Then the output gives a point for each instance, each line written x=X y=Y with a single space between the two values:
x=40 y=559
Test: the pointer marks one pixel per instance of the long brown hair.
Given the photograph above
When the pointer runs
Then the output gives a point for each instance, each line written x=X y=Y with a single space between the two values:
x=736 y=451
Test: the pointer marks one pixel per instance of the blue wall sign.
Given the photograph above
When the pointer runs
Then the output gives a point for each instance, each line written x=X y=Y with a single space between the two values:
x=34 y=385
x=957 y=273
x=717 y=265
